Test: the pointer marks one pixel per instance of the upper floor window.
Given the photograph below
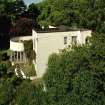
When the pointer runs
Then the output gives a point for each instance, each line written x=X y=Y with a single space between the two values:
x=74 y=39
x=65 y=40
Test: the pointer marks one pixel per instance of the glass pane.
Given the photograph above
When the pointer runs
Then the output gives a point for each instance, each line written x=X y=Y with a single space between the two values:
x=65 y=40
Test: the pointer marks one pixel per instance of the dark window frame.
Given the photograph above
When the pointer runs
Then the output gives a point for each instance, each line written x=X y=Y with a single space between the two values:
x=65 y=40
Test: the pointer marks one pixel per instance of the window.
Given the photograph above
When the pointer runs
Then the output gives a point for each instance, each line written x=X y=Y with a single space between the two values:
x=74 y=39
x=87 y=40
x=65 y=40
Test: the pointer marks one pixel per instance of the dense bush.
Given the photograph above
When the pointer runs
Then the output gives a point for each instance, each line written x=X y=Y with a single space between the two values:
x=76 y=77
x=16 y=91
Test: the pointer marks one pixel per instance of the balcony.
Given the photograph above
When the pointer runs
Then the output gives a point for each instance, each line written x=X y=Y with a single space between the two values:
x=17 y=49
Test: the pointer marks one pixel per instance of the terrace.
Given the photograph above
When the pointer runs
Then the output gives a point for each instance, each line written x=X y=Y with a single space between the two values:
x=17 y=49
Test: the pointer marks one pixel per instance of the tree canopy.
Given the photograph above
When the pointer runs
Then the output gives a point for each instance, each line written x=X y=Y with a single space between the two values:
x=76 y=77
x=74 y=13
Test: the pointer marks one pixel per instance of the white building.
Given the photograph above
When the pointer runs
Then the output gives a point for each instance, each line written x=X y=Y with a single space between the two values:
x=47 y=42
x=44 y=44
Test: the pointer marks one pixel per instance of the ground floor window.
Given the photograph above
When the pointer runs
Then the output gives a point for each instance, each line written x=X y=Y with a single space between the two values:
x=74 y=39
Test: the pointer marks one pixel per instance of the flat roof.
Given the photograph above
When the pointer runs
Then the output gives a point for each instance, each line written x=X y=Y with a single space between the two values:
x=60 y=29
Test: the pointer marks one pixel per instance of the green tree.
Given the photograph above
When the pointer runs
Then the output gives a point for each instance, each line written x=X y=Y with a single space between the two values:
x=10 y=11
x=5 y=25
x=7 y=91
x=22 y=27
x=29 y=94
x=75 y=13
x=33 y=11
x=76 y=77
x=3 y=69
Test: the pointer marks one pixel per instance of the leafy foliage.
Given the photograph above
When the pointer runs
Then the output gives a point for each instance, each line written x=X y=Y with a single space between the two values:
x=33 y=11
x=22 y=27
x=28 y=94
x=76 y=77
x=75 y=13
x=5 y=24
x=30 y=54
x=14 y=90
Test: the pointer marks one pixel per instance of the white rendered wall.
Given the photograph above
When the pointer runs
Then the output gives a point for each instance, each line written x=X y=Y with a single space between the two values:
x=16 y=46
x=48 y=43
x=16 y=43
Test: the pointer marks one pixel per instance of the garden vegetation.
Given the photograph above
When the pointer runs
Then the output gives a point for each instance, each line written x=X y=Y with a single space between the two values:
x=75 y=76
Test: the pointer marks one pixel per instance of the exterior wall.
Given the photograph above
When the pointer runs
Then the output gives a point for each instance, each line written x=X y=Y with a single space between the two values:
x=35 y=37
x=16 y=46
x=48 y=43
x=35 y=42
x=16 y=43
